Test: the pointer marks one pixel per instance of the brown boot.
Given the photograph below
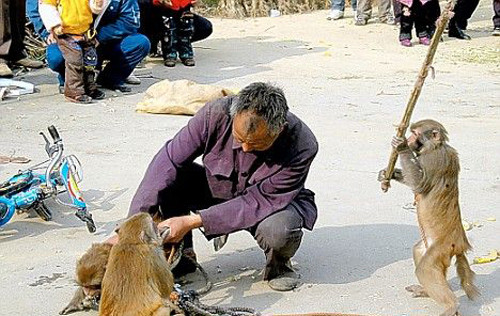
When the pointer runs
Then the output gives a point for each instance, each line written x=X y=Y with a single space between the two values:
x=5 y=71
x=28 y=63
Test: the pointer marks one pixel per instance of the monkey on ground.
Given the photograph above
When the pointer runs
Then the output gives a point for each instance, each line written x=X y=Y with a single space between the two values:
x=90 y=270
x=138 y=280
x=430 y=168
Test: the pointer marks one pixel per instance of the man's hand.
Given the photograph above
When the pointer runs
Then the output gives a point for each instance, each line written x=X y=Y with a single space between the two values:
x=180 y=226
x=399 y=143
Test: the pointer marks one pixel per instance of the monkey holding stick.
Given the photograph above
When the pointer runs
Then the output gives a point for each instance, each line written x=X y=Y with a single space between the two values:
x=430 y=168
x=138 y=280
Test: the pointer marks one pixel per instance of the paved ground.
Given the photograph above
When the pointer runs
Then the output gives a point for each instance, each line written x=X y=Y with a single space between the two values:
x=350 y=85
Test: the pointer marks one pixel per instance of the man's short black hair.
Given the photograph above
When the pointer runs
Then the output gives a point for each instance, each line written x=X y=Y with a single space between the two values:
x=265 y=100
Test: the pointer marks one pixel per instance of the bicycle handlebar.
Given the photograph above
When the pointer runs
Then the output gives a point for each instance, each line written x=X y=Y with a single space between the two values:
x=55 y=154
x=54 y=133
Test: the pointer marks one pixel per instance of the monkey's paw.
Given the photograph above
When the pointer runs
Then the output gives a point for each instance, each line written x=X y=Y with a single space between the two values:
x=417 y=290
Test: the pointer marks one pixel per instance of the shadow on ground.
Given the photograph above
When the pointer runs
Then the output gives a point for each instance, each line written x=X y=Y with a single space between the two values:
x=328 y=255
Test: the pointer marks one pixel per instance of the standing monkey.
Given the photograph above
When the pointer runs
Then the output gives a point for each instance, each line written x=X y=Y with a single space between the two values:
x=430 y=168
x=138 y=280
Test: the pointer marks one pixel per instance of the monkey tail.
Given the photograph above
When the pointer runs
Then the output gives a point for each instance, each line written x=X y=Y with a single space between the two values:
x=466 y=276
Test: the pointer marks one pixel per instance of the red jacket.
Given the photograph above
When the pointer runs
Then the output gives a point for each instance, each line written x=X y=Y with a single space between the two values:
x=176 y=4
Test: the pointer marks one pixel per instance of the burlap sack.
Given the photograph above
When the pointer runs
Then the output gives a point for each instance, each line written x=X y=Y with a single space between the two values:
x=182 y=97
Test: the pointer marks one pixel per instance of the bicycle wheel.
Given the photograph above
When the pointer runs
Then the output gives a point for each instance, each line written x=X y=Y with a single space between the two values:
x=43 y=211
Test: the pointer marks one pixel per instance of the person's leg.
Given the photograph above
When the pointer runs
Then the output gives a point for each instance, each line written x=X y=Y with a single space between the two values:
x=363 y=11
x=406 y=26
x=337 y=10
x=55 y=61
x=384 y=12
x=464 y=12
x=17 y=16
x=431 y=11
x=123 y=56
x=169 y=29
x=458 y=23
x=421 y=26
x=184 y=34
x=496 y=18
x=202 y=28
x=396 y=7
x=17 y=54
x=74 y=88
x=279 y=235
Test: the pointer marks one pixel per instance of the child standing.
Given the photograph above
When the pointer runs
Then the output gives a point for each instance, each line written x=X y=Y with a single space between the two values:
x=70 y=22
x=416 y=12
x=177 y=31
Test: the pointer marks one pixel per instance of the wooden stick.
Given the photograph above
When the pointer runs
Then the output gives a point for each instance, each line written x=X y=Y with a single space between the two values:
x=401 y=130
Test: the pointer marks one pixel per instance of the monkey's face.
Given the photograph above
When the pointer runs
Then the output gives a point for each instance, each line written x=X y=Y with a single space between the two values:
x=92 y=290
x=414 y=140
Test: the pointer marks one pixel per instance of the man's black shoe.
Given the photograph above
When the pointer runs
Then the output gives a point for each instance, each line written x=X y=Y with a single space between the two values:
x=170 y=62
x=188 y=62
x=97 y=94
x=457 y=32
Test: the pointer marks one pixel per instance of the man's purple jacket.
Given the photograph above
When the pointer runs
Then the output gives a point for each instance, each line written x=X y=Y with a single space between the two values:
x=253 y=185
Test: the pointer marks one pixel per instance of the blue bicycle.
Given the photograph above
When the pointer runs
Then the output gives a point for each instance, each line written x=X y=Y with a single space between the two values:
x=28 y=189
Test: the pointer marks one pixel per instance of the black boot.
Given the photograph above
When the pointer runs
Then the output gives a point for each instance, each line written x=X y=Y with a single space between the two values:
x=186 y=30
x=169 y=41
x=455 y=31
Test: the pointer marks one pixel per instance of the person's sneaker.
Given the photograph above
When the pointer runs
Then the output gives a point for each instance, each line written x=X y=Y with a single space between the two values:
x=5 y=71
x=170 y=62
x=187 y=263
x=80 y=99
x=133 y=80
x=28 y=63
x=424 y=41
x=360 y=21
x=405 y=42
x=335 y=14
x=285 y=282
x=389 y=20
x=97 y=94
x=188 y=62
x=61 y=89
x=496 y=31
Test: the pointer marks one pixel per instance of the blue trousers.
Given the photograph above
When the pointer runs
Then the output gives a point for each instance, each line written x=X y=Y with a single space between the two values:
x=123 y=56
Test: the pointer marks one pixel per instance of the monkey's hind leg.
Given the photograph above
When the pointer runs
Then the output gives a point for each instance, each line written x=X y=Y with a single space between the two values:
x=431 y=273
x=418 y=251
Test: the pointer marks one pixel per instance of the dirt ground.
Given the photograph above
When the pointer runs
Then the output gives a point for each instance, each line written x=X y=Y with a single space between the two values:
x=350 y=85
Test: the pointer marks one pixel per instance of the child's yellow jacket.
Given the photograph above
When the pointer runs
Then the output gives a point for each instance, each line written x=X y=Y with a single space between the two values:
x=75 y=16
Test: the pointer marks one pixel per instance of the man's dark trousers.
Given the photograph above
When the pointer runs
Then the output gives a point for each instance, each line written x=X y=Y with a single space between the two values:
x=279 y=235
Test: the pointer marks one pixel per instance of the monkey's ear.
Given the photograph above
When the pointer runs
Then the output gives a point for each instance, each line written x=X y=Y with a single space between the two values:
x=436 y=135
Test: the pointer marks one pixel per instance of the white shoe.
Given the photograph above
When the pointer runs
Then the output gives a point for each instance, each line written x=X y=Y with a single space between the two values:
x=335 y=15
x=133 y=80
